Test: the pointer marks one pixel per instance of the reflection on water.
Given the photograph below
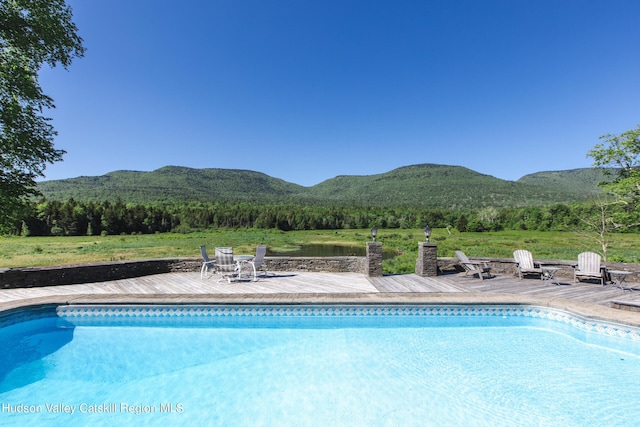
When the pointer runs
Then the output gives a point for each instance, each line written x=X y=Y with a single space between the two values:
x=317 y=250
x=320 y=250
x=25 y=350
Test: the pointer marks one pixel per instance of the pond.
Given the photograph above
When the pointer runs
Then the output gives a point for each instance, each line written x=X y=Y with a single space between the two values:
x=319 y=250
x=328 y=250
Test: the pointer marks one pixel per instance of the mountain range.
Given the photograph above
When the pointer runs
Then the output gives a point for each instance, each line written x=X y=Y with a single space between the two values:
x=423 y=186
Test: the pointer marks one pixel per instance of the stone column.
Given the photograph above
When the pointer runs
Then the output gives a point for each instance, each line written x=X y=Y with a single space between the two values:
x=374 y=259
x=427 y=263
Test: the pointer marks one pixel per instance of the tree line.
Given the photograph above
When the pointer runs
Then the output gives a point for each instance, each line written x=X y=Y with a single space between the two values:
x=74 y=218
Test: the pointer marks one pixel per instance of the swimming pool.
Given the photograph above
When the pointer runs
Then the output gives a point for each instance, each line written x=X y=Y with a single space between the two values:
x=316 y=365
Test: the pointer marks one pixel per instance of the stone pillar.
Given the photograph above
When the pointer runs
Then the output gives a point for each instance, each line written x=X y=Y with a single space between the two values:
x=427 y=263
x=374 y=259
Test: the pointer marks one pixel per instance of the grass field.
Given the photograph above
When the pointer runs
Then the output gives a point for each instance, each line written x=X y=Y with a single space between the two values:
x=47 y=251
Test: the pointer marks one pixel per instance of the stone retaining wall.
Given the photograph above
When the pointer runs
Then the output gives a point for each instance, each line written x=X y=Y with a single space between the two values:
x=95 y=272
x=102 y=272
x=339 y=264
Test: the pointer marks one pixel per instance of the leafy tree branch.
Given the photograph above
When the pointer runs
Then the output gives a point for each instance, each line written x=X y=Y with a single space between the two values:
x=623 y=153
x=32 y=33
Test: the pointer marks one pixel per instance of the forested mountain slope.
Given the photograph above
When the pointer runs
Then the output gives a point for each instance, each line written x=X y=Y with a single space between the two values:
x=578 y=181
x=425 y=186
x=441 y=186
x=171 y=184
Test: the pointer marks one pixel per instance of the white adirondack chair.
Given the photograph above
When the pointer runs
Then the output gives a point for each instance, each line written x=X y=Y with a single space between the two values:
x=588 y=267
x=473 y=267
x=525 y=264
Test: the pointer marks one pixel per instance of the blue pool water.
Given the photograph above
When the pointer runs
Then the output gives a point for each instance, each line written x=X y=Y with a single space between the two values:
x=310 y=366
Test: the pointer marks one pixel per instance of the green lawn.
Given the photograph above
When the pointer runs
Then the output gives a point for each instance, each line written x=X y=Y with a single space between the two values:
x=47 y=251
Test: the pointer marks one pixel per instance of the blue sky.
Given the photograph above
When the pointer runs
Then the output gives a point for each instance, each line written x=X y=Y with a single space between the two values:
x=305 y=90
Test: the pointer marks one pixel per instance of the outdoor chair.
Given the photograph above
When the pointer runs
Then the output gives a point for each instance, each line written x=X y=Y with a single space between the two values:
x=473 y=267
x=225 y=264
x=588 y=267
x=257 y=263
x=208 y=264
x=525 y=264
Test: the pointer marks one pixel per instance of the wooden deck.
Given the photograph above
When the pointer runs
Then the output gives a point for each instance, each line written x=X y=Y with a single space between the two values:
x=592 y=293
x=190 y=283
x=333 y=283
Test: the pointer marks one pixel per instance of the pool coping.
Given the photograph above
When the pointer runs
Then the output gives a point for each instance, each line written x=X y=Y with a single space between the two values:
x=582 y=309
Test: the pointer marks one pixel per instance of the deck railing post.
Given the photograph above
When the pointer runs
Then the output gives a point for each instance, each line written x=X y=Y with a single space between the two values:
x=374 y=259
x=427 y=262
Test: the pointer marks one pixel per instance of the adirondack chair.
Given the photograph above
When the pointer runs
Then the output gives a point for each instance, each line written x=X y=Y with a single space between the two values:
x=473 y=267
x=588 y=267
x=525 y=264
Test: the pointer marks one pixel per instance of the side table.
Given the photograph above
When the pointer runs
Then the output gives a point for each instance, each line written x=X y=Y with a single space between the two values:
x=548 y=274
x=618 y=277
